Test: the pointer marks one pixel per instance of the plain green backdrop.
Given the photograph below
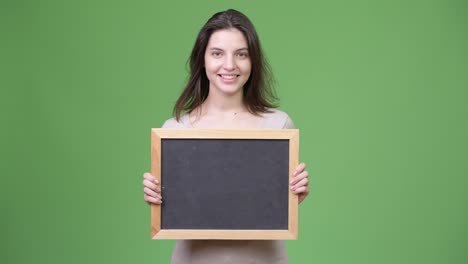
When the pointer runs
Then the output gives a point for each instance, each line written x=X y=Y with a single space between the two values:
x=377 y=88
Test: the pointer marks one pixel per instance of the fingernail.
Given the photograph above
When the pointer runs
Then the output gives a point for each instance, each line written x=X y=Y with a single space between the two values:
x=293 y=188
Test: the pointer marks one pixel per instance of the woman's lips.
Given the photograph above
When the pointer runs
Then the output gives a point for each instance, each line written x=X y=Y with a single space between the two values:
x=228 y=77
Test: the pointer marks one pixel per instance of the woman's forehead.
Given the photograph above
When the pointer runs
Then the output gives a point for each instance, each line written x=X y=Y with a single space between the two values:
x=227 y=39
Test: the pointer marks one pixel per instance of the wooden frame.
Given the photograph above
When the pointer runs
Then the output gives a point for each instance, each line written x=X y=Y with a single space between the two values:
x=157 y=134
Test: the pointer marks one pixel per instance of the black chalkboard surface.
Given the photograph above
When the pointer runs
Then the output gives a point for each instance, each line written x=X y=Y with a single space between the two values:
x=225 y=184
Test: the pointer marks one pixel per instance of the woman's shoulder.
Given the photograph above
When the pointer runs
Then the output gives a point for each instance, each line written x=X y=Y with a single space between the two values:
x=277 y=119
x=174 y=123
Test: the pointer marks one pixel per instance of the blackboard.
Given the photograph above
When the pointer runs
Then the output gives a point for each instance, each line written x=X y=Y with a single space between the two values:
x=225 y=184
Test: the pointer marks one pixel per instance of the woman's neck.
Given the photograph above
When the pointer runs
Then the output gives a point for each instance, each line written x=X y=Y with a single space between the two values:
x=223 y=104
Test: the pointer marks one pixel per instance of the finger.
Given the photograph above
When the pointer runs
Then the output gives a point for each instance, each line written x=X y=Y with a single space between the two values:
x=300 y=168
x=302 y=190
x=151 y=178
x=301 y=183
x=151 y=193
x=151 y=185
x=152 y=200
x=299 y=177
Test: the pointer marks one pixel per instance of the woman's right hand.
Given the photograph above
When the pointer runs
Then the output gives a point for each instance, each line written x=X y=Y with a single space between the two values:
x=151 y=189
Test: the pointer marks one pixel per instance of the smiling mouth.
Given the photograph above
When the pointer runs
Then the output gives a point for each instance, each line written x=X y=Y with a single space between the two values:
x=228 y=76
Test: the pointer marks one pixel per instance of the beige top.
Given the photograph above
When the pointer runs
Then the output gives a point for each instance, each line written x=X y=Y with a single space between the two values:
x=232 y=251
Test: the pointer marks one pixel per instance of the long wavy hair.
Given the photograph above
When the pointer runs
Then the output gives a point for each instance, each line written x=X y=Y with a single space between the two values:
x=258 y=92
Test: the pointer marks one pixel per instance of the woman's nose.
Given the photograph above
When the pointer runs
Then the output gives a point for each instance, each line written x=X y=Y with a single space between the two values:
x=229 y=63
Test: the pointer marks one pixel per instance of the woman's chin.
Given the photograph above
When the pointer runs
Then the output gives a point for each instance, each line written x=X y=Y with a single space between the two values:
x=229 y=90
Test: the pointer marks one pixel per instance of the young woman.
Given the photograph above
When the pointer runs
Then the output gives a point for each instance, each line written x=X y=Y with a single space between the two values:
x=229 y=88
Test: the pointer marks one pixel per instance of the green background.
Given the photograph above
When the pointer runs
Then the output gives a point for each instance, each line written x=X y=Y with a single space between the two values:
x=378 y=89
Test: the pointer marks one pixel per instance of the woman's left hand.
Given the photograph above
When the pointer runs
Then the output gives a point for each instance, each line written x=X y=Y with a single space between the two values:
x=300 y=182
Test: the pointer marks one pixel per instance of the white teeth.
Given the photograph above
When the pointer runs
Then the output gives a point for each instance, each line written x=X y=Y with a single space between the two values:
x=228 y=77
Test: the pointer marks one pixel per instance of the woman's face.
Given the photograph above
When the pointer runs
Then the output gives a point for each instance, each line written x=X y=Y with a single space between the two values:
x=227 y=61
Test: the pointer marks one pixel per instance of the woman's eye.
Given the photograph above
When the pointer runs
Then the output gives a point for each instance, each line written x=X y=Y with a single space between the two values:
x=243 y=55
x=216 y=54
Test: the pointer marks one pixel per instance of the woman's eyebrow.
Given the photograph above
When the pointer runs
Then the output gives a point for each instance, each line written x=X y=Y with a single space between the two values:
x=241 y=49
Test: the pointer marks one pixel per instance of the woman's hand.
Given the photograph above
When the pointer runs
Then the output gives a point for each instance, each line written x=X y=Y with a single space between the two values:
x=300 y=182
x=151 y=189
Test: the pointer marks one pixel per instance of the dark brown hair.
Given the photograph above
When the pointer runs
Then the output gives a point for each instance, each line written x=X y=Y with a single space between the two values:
x=259 y=93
